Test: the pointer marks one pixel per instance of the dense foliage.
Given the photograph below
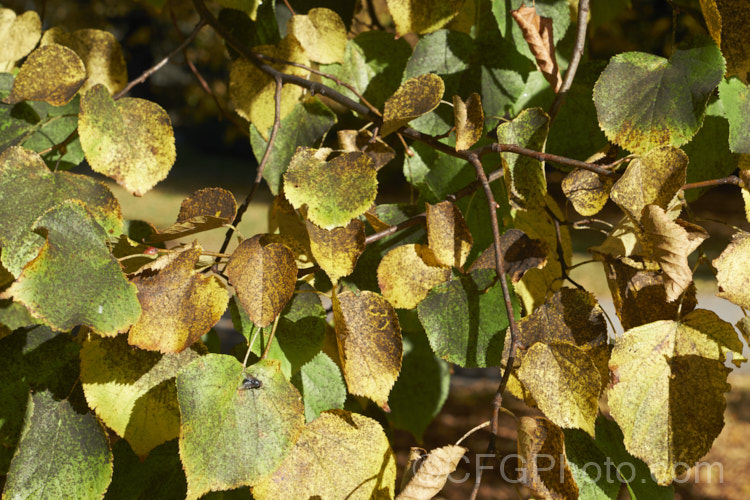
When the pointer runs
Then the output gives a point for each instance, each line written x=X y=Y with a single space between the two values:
x=352 y=310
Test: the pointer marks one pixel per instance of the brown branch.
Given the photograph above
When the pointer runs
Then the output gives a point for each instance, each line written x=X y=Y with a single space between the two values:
x=731 y=180
x=570 y=73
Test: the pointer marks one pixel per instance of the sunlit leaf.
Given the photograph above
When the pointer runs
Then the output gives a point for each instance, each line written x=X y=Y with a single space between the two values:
x=75 y=280
x=334 y=191
x=55 y=429
x=131 y=391
x=431 y=473
x=369 y=344
x=541 y=448
x=100 y=52
x=644 y=101
x=735 y=96
x=18 y=33
x=415 y=97
x=408 y=272
x=231 y=436
x=321 y=385
x=416 y=16
x=376 y=148
x=667 y=391
x=447 y=234
x=336 y=250
x=52 y=74
x=328 y=445
x=321 y=33
x=732 y=276
x=130 y=140
x=178 y=304
x=557 y=11
x=469 y=118
x=538 y=33
x=587 y=191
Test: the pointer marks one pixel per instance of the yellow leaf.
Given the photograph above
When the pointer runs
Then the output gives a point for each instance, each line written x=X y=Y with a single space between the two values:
x=423 y=16
x=52 y=74
x=376 y=148
x=415 y=97
x=369 y=344
x=338 y=455
x=727 y=22
x=428 y=474
x=541 y=446
x=321 y=33
x=447 y=234
x=469 y=119
x=130 y=140
x=407 y=273
x=337 y=250
x=18 y=34
x=264 y=276
x=733 y=276
x=178 y=304
x=252 y=91
x=587 y=191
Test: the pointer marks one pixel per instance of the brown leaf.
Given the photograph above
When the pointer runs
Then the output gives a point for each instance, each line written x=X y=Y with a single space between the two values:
x=216 y=202
x=520 y=254
x=264 y=276
x=178 y=304
x=376 y=148
x=428 y=473
x=336 y=250
x=672 y=242
x=469 y=119
x=545 y=470
x=447 y=234
x=537 y=31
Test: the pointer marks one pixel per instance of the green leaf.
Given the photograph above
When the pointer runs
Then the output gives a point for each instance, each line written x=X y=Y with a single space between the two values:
x=644 y=101
x=32 y=190
x=466 y=324
x=321 y=385
x=75 y=280
x=422 y=387
x=37 y=357
x=306 y=125
x=557 y=10
x=159 y=476
x=62 y=453
x=130 y=140
x=334 y=191
x=587 y=464
x=233 y=436
x=735 y=96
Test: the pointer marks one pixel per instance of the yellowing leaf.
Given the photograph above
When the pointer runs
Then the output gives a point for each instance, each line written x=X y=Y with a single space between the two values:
x=430 y=472
x=564 y=382
x=336 y=251
x=336 y=191
x=130 y=140
x=376 y=148
x=415 y=97
x=727 y=21
x=52 y=74
x=654 y=178
x=541 y=446
x=520 y=254
x=407 y=273
x=206 y=209
x=469 y=119
x=667 y=391
x=369 y=344
x=19 y=34
x=252 y=91
x=587 y=191
x=101 y=55
x=321 y=33
x=263 y=276
x=673 y=241
x=131 y=391
x=423 y=16
x=447 y=234
x=290 y=225
x=338 y=455
x=733 y=278
x=179 y=305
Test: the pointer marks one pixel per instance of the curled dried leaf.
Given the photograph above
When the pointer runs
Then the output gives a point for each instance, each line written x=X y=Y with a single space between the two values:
x=469 y=119
x=541 y=446
x=429 y=473
x=537 y=31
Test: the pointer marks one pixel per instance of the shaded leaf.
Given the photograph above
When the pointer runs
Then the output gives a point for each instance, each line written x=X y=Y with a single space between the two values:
x=82 y=465
x=469 y=118
x=415 y=97
x=336 y=250
x=520 y=253
x=447 y=234
x=541 y=446
x=667 y=391
x=321 y=33
x=415 y=16
x=75 y=280
x=376 y=148
x=431 y=473
x=328 y=445
x=131 y=392
x=369 y=344
x=100 y=53
x=537 y=31
x=205 y=209
x=19 y=34
x=178 y=304
x=334 y=191
x=232 y=436
x=732 y=277
x=654 y=178
x=644 y=101
x=735 y=96
x=321 y=385
x=407 y=272
x=159 y=476
x=130 y=140
x=726 y=22
x=52 y=74
x=466 y=323
x=290 y=225
x=587 y=191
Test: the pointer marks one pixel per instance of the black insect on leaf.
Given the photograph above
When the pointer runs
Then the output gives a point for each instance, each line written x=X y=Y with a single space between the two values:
x=251 y=382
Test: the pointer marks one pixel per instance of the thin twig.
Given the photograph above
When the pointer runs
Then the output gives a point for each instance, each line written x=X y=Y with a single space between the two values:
x=570 y=73
x=731 y=180
x=62 y=144
x=255 y=330
x=153 y=69
x=472 y=431
x=270 y=338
